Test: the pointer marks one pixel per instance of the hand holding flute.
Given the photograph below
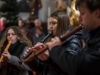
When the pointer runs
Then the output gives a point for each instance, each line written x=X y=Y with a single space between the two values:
x=6 y=53
x=28 y=53
x=43 y=56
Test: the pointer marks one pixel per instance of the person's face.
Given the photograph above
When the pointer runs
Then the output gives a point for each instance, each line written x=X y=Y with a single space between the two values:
x=24 y=32
x=87 y=18
x=20 y=23
x=37 y=23
x=12 y=36
x=53 y=22
x=3 y=21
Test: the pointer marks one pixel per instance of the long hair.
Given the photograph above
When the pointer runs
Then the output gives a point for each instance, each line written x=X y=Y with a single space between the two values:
x=63 y=22
x=20 y=37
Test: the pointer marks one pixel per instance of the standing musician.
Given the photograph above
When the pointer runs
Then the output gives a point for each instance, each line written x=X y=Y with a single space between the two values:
x=10 y=64
x=59 y=24
x=87 y=62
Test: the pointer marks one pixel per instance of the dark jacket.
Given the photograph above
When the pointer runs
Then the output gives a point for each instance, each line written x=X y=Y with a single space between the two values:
x=87 y=62
x=13 y=65
x=48 y=67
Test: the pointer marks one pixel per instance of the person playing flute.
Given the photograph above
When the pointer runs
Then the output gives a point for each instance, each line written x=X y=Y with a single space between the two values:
x=10 y=64
x=59 y=24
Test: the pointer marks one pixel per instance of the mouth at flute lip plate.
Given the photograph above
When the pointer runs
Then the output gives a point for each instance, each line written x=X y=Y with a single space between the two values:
x=10 y=40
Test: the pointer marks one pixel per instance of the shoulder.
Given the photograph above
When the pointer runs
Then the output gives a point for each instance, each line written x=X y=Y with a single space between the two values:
x=75 y=37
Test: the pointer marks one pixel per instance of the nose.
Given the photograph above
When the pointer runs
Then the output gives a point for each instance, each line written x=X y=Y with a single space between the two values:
x=10 y=35
x=50 y=26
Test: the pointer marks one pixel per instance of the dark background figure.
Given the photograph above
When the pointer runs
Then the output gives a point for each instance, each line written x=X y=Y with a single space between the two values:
x=21 y=23
x=35 y=6
x=26 y=32
x=39 y=34
x=2 y=26
x=24 y=6
x=35 y=22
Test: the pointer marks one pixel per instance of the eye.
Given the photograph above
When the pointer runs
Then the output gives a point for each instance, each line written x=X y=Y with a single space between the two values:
x=53 y=23
x=82 y=13
x=13 y=34
x=8 y=34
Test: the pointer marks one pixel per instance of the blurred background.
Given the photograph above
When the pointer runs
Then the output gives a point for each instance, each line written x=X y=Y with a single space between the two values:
x=29 y=9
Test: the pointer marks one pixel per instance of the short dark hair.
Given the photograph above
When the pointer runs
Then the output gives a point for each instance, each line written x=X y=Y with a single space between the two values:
x=91 y=4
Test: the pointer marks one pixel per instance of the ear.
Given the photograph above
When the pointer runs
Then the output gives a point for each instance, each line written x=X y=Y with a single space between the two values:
x=97 y=13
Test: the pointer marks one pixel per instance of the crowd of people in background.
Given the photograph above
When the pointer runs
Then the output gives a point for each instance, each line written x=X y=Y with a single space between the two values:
x=2 y=26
